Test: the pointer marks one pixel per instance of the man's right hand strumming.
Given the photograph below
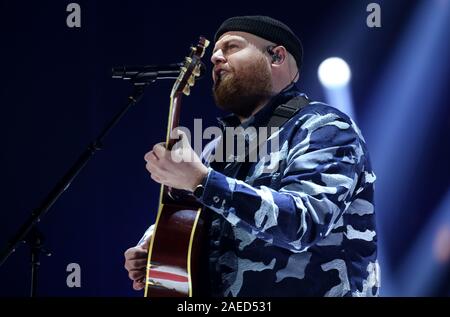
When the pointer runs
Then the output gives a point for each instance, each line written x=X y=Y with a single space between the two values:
x=136 y=261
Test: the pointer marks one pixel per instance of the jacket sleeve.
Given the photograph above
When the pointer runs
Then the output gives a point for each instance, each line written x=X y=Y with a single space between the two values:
x=322 y=165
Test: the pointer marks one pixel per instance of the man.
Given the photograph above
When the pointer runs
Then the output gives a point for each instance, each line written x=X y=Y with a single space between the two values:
x=299 y=224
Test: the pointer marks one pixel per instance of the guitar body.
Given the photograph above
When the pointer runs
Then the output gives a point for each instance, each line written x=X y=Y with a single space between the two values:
x=175 y=258
x=176 y=249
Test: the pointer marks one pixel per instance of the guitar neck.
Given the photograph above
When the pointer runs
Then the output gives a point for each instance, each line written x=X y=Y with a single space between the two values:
x=174 y=119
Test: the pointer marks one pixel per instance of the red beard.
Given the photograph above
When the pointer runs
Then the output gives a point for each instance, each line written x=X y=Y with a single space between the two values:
x=240 y=91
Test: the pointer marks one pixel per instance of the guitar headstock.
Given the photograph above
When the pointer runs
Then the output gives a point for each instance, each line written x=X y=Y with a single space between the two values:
x=191 y=68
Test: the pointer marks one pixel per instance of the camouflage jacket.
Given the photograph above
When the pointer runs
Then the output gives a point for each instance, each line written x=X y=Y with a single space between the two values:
x=303 y=226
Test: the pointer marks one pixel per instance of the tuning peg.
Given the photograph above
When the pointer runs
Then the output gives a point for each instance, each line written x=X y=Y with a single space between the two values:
x=187 y=90
x=191 y=80
x=205 y=45
x=196 y=70
x=188 y=60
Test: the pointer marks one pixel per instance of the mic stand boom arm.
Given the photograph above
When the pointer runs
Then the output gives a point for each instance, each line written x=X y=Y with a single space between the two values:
x=28 y=232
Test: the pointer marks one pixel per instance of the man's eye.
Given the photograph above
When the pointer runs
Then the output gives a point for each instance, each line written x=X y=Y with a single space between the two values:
x=227 y=48
x=231 y=48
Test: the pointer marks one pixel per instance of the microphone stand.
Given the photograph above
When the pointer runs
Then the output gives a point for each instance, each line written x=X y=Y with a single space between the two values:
x=29 y=233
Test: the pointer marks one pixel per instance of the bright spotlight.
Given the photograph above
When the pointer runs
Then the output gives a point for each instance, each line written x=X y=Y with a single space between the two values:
x=334 y=72
x=334 y=76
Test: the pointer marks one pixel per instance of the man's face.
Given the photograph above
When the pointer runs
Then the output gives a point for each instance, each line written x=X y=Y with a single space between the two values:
x=241 y=74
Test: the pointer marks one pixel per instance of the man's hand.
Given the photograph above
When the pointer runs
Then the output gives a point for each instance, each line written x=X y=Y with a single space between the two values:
x=136 y=262
x=180 y=168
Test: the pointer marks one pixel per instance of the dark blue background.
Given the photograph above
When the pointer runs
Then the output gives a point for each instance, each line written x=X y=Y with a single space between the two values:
x=56 y=94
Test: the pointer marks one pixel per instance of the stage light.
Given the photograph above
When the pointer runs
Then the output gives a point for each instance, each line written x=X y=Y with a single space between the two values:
x=428 y=258
x=334 y=75
x=334 y=72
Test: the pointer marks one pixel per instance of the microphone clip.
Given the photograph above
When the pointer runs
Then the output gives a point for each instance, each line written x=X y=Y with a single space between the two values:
x=144 y=75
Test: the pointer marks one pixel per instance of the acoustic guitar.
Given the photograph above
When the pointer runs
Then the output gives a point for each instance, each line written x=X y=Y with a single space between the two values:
x=173 y=265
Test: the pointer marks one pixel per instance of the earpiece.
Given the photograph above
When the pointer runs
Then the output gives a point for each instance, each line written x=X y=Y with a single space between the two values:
x=275 y=57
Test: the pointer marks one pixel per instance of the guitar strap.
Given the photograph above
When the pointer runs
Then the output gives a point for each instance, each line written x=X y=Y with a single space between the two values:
x=286 y=111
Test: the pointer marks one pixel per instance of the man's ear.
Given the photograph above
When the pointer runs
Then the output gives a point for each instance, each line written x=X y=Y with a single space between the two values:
x=278 y=54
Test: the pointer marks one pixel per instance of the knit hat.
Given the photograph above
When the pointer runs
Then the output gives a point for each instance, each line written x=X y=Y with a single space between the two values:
x=267 y=28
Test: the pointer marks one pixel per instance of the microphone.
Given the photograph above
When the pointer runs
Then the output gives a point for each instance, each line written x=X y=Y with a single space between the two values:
x=149 y=73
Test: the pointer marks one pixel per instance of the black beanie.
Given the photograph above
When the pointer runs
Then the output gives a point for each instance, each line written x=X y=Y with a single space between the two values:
x=267 y=28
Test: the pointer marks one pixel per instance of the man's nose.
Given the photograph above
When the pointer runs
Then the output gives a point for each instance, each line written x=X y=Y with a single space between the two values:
x=218 y=57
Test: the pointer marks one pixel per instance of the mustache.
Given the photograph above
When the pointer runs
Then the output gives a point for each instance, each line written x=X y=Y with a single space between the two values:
x=219 y=80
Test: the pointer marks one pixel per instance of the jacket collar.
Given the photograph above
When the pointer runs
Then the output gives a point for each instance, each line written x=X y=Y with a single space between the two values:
x=262 y=116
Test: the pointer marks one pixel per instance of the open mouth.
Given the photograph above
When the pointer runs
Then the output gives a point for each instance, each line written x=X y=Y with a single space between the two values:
x=219 y=74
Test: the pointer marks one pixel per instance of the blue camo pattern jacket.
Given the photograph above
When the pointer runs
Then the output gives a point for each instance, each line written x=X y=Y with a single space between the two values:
x=304 y=226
